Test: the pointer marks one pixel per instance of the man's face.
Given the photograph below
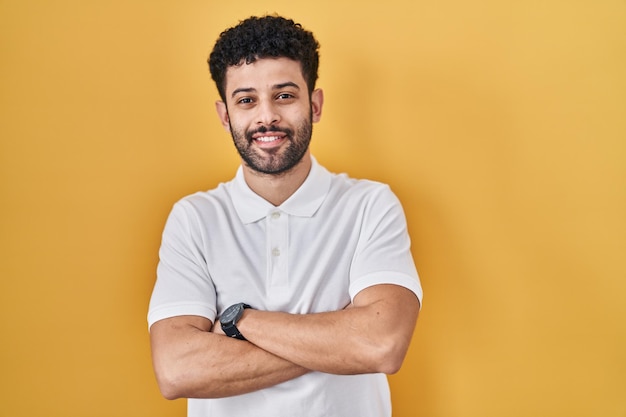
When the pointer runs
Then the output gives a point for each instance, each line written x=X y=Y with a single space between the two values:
x=269 y=114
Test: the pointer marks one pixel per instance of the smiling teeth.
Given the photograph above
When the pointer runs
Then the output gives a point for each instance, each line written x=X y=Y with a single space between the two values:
x=267 y=138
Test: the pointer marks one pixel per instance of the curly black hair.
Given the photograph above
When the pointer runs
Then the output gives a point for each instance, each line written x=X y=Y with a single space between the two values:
x=264 y=37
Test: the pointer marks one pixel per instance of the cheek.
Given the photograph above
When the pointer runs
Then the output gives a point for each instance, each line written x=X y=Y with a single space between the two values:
x=296 y=116
x=238 y=132
x=237 y=121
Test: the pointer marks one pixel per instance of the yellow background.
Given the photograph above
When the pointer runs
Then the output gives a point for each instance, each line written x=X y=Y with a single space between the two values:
x=500 y=125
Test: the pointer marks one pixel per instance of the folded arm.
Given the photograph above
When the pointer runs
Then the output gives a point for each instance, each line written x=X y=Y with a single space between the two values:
x=371 y=335
x=191 y=362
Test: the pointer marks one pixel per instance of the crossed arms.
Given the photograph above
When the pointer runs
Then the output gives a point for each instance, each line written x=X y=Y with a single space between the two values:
x=192 y=359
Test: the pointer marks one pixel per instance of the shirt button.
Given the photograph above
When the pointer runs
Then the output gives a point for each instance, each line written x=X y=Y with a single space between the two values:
x=276 y=252
x=275 y=215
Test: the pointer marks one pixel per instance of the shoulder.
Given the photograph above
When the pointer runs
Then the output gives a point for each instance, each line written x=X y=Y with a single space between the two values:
x=363 y=191
x=215 y=197
x=203 y=205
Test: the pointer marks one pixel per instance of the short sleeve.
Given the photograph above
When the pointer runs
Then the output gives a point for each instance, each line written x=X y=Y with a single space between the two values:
x=383 y=254
x=183 y=285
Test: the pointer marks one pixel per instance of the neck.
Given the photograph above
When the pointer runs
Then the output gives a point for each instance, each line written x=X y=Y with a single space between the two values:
x=277 y=188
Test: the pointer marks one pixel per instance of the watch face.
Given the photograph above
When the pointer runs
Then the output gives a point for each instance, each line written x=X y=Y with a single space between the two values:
x=231 y=313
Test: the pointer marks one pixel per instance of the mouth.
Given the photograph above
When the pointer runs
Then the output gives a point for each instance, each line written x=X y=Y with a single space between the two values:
x=269 y=138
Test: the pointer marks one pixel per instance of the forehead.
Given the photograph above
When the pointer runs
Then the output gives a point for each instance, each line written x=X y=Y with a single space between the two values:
x=263 y=74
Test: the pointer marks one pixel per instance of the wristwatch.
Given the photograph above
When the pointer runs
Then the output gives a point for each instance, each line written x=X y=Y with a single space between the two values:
x=229 y=319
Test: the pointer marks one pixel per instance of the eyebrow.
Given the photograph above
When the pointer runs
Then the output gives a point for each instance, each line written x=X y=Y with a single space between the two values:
x=274 y=87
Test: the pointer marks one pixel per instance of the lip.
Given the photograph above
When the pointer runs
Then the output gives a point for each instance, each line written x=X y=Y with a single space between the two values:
x=268 y=134
x=269 y=139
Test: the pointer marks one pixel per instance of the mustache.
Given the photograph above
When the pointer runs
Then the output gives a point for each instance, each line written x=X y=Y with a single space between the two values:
x=271 y=128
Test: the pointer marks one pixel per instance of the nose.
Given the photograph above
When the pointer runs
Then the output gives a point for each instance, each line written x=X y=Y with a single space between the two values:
x=267 y=113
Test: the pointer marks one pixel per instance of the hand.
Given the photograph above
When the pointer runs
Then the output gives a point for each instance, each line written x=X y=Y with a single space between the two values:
x=217 y=328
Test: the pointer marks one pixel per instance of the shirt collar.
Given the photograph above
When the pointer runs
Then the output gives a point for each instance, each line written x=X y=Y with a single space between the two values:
x=304 y=202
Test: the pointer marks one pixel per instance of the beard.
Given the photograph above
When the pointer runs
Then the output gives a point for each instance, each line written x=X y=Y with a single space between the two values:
x=274 y=161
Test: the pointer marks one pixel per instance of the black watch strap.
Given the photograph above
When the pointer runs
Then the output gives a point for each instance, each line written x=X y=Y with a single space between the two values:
x=229 y=320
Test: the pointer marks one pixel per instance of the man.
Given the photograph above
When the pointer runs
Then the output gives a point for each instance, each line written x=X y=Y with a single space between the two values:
x=288 y=291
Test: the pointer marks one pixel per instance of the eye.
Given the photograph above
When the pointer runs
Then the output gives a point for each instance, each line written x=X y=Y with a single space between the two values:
x=244 y=100
x=285 y=96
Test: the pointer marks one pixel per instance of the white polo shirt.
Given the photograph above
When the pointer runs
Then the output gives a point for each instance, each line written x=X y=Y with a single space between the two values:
x=334 y=237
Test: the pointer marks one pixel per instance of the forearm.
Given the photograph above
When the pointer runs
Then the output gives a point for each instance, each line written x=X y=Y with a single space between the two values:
x=372 y=335
x=194 y=363
x=326 y=345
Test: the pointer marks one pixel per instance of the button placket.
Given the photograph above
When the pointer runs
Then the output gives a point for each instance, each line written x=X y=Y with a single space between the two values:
x=278 y=244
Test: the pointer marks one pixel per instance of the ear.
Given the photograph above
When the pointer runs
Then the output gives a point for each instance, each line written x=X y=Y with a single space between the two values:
x=222 y=113
x=317 y=101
